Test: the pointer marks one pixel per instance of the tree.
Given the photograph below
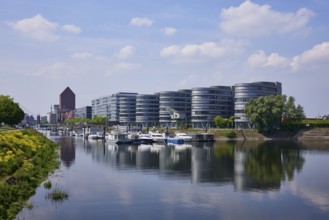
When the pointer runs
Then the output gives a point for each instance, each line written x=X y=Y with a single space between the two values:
x=99 y=119
x=220 y=121
x=10 y=112
x=268 y=113
x=265 y=112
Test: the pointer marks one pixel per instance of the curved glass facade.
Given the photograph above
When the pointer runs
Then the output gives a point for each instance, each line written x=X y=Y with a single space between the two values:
x=178 y=100
x=208 y=102
x=245 y=91
x=147 y=110
x=123 y=107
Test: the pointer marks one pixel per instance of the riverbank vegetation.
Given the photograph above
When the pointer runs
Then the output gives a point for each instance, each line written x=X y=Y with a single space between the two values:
x=26 y=158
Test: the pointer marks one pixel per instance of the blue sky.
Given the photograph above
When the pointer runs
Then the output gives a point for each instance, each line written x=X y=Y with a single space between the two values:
x=101 y=47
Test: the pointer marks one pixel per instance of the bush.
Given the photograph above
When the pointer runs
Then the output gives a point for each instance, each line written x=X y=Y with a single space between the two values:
x=229 y=133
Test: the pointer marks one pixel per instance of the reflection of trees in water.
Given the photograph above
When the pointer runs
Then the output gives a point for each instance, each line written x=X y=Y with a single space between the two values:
x=272 y=162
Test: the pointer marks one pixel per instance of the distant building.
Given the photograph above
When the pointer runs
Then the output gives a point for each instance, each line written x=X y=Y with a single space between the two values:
x=66 y=105
x=28 y=120
x=67 y=100
x=52 y=118
x=83 y=112
x=38 y=119
x=101 y=106
x=245 y=91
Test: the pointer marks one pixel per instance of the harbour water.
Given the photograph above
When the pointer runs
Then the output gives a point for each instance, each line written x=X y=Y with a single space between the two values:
x=223 y=180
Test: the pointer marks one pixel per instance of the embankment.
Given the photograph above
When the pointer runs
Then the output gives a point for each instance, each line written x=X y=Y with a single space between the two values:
x=26 y=158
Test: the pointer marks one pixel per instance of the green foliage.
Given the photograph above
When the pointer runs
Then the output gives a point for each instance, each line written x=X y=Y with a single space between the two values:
x=315 y=123
x=224 y=122
x=57 y=195
x=229 y=133
x=10 y=112
x=78 y=121
x=99 y=120
x=95 y=120
x=47 y=185
x=26 y=157
x=269 y=113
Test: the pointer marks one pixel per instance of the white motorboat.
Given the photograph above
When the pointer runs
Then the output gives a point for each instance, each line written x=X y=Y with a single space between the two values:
x=184 y=136
x=118 y=138
x=157 y=137
x=145 y=138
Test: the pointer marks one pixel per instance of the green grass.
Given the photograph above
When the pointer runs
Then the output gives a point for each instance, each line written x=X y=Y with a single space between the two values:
x=57 y=195
x=47 y=185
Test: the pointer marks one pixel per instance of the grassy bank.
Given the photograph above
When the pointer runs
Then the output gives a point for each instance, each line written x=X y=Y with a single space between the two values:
x=26 y=158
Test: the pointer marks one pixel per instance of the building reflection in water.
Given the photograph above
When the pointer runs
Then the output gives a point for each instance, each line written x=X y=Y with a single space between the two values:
x=247 y=166
x=67 y=150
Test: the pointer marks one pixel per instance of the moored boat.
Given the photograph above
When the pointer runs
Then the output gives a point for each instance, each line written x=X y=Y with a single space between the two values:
x=118 y=138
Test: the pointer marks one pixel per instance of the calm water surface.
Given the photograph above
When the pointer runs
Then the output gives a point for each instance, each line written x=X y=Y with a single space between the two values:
x=232 y=180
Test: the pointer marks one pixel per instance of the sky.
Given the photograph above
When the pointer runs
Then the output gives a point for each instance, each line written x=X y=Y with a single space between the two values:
x=101 y=47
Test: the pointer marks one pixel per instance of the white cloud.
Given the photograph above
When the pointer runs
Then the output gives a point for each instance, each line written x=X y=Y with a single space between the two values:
x=137 y=21
x=314 y=58
x=274 y=60
x=37 y=27
x=71 y=28
x=207 y=50
x=40 y=28
x=126 y=52
x=56 y=70
x=251 y=19
x=169 y=31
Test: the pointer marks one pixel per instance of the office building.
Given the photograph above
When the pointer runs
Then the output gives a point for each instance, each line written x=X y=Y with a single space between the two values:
x=147 y=110
x=123 y=108
x=101 y=106
x=173 y=103
x=208 y=102
x=245 y=91
x=83 y=112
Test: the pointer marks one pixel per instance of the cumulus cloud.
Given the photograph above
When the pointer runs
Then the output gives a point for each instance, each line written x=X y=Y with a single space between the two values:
x=251 y=19
x=169 y=31
x=126 y=52
x=315 y=57
x=40 y=28
x=208 y=50
x=274 y=60
x=137 y=21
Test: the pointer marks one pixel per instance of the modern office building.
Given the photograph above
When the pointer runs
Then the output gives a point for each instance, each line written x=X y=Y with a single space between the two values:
x=122 y=108
x=147 y=110
x=67 y=99
x=208 y=102
x=83 y=112
x=245 y=91
x=101 y=106
x=173 y=103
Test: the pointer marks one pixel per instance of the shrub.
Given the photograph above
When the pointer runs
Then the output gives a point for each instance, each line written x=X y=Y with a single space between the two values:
x=229 y=133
